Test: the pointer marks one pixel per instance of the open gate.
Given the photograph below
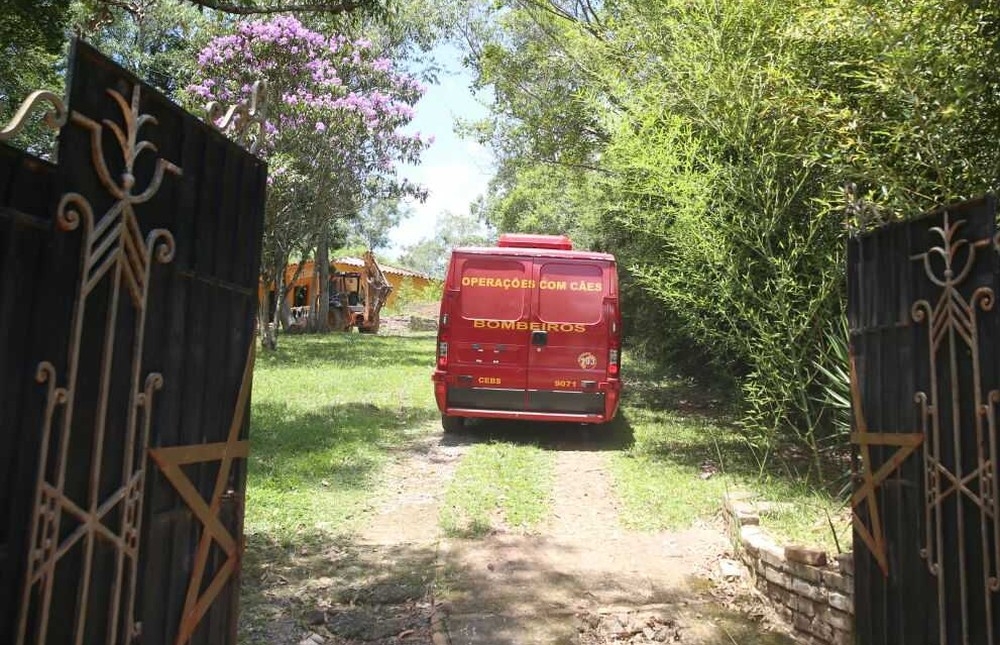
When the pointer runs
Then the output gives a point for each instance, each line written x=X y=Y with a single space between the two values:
x=926 y=387
x=128 y=276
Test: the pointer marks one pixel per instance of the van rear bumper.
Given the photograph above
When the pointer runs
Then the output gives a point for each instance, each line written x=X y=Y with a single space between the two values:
x=476 y=413
x=594 y=406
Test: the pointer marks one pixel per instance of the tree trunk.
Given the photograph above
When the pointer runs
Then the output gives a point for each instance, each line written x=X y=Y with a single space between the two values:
x=273 y=327
x=282 y=313
x=268 y=340
x=285 y=314
x=323 y=267
x=276 y=307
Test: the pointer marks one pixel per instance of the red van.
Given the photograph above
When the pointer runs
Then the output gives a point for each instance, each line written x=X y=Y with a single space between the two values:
x=530 y=330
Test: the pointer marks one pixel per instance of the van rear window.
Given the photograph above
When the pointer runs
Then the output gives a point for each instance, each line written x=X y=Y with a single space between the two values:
x=570 y=293
x=494 y=289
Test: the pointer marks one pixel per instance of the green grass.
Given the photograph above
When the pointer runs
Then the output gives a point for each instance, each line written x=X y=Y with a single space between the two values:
x=659 y=478
x=807 y=518
x=326 y=413
x=687 y=453
x=498 y=486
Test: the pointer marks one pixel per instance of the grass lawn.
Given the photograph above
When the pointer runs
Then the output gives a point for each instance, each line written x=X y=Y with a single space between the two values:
x=327 y=411
x=686 y=454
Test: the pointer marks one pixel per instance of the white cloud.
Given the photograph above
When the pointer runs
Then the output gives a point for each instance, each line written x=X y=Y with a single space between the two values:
x=454 y=171
x=451 y=187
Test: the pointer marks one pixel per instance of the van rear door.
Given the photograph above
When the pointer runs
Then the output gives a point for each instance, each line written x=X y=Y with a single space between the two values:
x=568 y=353
x=488 y=357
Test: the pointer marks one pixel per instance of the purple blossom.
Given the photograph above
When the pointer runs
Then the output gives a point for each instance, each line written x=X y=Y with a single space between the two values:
x=326 y=91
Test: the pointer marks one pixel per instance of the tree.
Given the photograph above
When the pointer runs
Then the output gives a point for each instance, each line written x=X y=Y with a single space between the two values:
x=335 y=111
x=542 y=61
x=32 y=43
x=288 y=233
x=713 y=138
x=32 y=40
x=257 y=7
x=545 y=198
x=430 y=254
x=155 y=39
x=372 y=224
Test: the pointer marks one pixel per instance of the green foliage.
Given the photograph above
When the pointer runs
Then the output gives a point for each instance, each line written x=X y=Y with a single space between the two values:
x=546 y=198
x=370 y=227
x=917 y=85
x=686 y=455
x=157 y=40
x=715 y=189
x=32 y=45
x=707 y=144
x=834 y=398
x=430 y=254
x=543 y=130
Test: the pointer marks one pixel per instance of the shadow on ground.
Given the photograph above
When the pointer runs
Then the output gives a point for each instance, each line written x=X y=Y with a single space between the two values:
x=333 y=587
x=495 y=592
x=340 y=443
x=616 y=435
x=520 y=590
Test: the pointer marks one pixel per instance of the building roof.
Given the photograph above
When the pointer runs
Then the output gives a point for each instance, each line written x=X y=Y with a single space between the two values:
x=358 y=262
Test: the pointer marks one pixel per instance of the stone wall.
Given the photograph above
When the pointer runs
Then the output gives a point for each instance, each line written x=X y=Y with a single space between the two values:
x=814 y=595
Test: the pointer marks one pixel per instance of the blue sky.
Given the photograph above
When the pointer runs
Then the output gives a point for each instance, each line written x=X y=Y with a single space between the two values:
x=454 y=171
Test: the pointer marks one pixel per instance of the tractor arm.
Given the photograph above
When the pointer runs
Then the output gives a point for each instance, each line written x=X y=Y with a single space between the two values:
x=377 y=290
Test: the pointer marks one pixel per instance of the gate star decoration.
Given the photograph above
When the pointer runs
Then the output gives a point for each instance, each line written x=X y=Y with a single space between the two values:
x=874 y=539
x=170 y=461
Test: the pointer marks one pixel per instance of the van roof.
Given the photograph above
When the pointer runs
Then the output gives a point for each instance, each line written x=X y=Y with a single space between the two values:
x=535 y=241
x=534 y=253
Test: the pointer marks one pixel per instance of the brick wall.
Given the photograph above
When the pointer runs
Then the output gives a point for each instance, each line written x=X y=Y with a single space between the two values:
x=814 y=594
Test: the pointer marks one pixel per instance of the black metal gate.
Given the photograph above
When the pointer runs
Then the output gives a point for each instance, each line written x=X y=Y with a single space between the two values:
x=128 y=277
x=926 y=387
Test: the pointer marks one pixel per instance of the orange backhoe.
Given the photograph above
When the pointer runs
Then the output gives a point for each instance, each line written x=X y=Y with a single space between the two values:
x=357 y=297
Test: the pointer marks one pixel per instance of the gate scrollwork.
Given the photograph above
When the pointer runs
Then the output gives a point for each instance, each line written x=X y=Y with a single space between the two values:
x=953 y=333
x=115 y=257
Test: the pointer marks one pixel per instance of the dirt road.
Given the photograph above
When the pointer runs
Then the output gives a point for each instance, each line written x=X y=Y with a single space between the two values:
x=582 y=578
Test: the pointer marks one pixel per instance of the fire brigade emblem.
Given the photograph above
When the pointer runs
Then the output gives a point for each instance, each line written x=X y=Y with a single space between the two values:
x=587 y=361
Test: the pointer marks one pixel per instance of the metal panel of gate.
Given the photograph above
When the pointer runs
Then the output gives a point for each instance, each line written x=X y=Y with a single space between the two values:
x=26 y=184
x=142 y=350
x=924 y=331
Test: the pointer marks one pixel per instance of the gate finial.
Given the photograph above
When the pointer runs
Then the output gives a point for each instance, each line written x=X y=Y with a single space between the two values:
x=241 y=117
x=54 y=118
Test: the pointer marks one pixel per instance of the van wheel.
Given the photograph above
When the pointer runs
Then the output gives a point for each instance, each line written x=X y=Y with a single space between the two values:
x=452 y=424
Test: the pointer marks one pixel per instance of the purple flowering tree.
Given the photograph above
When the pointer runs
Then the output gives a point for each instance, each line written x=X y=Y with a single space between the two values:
x=335 y=114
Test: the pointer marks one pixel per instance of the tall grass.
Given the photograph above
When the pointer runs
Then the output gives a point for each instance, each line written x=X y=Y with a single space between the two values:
x=687 y=453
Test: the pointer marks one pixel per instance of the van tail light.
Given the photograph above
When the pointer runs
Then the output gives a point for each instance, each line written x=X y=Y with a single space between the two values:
x=442 y=361
x=613 y=321
x=443 y=332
